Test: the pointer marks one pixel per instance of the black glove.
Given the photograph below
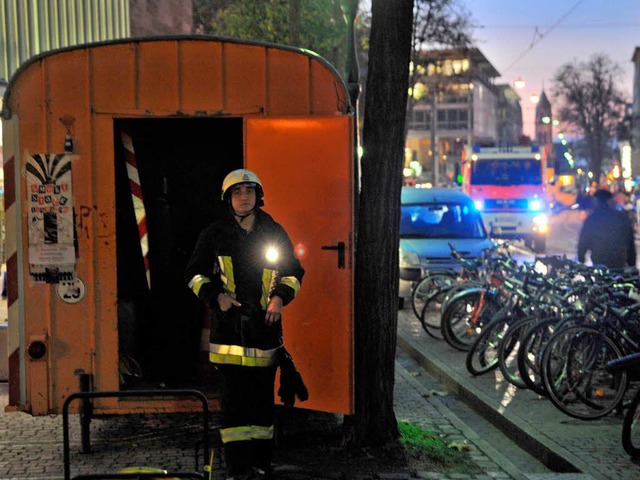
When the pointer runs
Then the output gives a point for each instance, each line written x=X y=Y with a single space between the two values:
x=209 y=295
x=291 y=383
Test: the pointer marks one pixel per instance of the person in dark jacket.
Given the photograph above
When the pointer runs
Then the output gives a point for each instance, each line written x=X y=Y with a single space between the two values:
x=608 y=234
x=244 y=268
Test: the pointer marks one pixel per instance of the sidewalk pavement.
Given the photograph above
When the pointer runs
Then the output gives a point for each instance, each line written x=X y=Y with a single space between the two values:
x=562 y=443
x=31 y=447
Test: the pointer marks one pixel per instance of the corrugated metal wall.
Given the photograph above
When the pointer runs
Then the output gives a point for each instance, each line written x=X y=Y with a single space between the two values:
x=29 y=27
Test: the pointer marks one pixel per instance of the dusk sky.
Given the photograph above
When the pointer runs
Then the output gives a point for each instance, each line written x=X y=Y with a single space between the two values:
x=531 y=39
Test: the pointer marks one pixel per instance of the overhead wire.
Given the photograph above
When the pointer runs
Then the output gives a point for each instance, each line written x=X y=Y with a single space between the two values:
x=580 y=25
x=537 y=36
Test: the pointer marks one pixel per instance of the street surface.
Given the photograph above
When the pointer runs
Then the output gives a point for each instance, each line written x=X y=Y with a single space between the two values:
x=563 y=238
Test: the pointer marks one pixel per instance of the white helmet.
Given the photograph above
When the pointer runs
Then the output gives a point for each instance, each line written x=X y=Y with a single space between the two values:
x=242 y=176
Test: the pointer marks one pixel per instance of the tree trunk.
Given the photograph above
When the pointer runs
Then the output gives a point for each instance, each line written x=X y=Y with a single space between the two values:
x=294 y=22
x=376 y=271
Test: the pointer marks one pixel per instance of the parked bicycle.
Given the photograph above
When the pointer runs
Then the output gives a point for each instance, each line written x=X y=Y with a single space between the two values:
x=631 y=424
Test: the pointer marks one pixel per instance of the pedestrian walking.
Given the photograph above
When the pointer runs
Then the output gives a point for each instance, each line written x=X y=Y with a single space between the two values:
x=244 y=268
x=607 y=234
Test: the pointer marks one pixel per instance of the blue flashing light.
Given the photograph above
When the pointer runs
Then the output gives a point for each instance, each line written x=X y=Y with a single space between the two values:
x=535 y=148
x=476 y=148
x=479 y=204
x=535 y=205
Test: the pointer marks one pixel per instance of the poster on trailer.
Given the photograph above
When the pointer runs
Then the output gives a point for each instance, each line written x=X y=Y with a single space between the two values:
x=50 y=215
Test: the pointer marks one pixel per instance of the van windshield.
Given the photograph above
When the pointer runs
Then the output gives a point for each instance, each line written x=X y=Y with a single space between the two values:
x=441 y=220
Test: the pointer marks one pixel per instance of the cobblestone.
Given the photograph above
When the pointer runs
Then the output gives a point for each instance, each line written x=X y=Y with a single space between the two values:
x=32 y=446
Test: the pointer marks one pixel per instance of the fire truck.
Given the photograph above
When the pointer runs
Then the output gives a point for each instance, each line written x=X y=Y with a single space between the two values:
x=508 y=185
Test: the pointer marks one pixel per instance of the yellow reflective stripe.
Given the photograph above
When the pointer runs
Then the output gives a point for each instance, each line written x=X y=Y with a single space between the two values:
x=226 y=269
x=196 y=283
x=244 y=356
x=268 y=282
x=293 y=283
x=235 y=434
x=240 y=361
x=262 y=433
x=246 y=432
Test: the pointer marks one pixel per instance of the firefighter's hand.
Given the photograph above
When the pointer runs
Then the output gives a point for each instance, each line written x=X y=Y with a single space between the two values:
x=225 y=302
x=274 y=310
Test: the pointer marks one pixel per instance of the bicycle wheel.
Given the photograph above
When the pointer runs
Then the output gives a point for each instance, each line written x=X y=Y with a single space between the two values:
x=532 y=347
x=431 y=315
x=427 y=287
x=509 y=348
x=455 y=289
x=482 y=356
x=631 y=427
x=575 y=375
x=465 y=315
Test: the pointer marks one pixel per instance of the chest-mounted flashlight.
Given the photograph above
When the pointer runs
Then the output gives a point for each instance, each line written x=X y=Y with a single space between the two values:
x=272 y=254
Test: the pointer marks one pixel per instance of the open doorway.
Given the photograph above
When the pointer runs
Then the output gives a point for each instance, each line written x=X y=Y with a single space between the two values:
x=180 y=164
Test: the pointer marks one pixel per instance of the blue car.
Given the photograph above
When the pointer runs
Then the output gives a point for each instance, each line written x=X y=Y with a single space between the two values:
x=433 y=218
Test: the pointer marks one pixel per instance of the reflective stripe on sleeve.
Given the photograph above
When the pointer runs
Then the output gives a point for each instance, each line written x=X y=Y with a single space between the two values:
x=196 y=283
x=243 y=356
x=291 y=282
x=246 y=432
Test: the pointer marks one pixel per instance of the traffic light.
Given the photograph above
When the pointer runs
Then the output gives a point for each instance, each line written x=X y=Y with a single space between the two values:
x=458 y=174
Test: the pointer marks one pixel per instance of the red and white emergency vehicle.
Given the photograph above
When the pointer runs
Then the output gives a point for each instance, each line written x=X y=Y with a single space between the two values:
x=508 y=185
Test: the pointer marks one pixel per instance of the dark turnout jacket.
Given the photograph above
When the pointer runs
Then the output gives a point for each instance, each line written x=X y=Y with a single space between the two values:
x=608 y=234
x=227 y=259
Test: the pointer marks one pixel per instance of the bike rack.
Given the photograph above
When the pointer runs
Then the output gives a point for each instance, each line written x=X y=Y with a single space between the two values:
x=86 y=412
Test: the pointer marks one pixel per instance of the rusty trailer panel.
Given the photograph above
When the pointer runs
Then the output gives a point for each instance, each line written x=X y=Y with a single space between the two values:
x=194 y=107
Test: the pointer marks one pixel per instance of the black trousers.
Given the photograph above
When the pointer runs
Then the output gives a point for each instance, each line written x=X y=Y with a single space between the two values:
x=247 y=401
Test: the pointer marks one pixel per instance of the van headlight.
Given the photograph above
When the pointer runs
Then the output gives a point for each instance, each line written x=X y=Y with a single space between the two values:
x=409 y=259
x=410 y=270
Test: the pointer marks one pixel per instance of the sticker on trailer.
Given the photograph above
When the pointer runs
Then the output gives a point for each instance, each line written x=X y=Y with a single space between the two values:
x=71 y=292
x=50 y=215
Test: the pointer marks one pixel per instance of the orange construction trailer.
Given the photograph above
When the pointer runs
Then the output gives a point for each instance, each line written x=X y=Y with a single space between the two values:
x=114 y=154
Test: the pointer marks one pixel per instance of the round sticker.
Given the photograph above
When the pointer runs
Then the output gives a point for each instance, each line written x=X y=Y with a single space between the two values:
x=71 y=292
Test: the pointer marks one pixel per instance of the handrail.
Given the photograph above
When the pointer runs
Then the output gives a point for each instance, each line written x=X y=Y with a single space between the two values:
x=124 y=476
x=128 y=394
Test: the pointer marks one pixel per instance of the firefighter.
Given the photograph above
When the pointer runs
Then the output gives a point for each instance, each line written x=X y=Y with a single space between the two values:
x=244 y=268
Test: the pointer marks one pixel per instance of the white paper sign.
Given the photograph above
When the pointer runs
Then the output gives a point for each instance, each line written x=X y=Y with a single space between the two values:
x=52 y=253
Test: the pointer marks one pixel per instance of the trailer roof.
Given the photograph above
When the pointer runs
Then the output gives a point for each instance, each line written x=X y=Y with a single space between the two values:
x=6 y=112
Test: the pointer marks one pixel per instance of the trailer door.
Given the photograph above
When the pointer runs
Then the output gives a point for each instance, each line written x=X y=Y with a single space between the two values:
x=306 y=168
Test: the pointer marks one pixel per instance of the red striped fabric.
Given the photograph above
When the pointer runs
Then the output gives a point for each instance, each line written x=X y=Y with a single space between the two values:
x=138 y=203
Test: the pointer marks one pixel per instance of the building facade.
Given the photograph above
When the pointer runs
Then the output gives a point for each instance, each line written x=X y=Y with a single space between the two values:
x=509 y=114
x=29 y=28
x=458 y=85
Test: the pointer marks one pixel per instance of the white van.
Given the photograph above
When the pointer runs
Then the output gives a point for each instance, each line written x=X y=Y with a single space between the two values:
x=433 y=218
